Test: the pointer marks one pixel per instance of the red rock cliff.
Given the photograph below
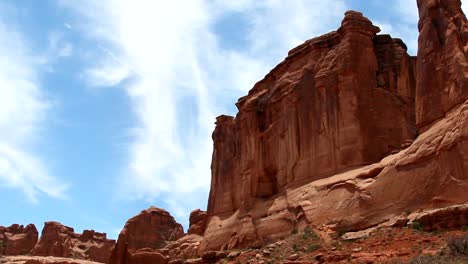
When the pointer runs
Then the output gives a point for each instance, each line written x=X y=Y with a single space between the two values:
x=443 y=79
x=339 y=101
x=307 y=144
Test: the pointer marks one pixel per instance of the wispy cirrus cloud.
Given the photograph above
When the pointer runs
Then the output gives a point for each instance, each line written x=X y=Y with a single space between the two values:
x=23 y=111
x=170 y=58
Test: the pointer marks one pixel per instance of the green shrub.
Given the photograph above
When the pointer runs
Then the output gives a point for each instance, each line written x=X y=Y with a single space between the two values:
x=426 y=259
x=417 y=226
x=458 y=245
x=342 y=232
x=295 y=247
x=2 y=247
x=309 y=234
x=312 y=247
x=294 y=231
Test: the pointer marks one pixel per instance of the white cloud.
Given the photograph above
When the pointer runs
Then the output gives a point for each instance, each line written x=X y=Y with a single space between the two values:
x=23 y=171
x=23 y=109
x=171 y=61
x=181 y=76
x=106 y=76
x=403 y=25
x=59 y=47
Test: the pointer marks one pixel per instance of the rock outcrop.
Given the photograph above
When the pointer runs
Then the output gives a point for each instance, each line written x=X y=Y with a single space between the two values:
x=143 y=235
x=442 y=65
x=197 y=220
x=17 y=239
x=452 y=217
x=306 y=147
x=348 y=133
x=337 y=102
x=58 y=240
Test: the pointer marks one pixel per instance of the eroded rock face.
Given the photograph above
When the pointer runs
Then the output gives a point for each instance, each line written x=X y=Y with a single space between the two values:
x=55 y=241
x=150 y=230
x=17 y=239
x=58 y=240
x=452 y=217
x=442 y=66
x=307 y=144
x=198 y=220
x=336 y=102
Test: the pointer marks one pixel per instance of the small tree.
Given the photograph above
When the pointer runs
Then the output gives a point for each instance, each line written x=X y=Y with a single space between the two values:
x=2 y=247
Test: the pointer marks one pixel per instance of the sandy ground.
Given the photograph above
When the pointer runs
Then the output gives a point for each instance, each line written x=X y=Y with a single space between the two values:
x=41 y=260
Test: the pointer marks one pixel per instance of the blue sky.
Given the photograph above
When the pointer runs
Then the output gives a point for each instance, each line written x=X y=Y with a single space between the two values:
x=107 y=107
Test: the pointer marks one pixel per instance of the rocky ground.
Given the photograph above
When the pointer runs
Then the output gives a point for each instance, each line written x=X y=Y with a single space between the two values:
x=41 y=260
x=384 y=245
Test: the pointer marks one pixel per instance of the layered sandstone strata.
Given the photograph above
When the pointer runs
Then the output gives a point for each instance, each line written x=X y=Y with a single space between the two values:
x=338 y=101
x=306 y=147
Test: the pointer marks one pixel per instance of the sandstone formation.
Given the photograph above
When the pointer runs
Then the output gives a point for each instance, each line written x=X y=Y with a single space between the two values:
x=452 y=217
x=337 y=102
x=58 y=240
x=17 y=239
x=307 y=144
x=443 y=81
x=348 y=134
x=143 y=235
x=198 y=220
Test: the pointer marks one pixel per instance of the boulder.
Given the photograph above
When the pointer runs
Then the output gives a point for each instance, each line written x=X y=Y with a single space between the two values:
x=198 y=220
x=152 y=229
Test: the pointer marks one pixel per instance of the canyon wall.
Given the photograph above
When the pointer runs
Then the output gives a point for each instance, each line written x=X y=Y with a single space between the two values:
x=338 y=101
x=327 y=136
x=442 y=63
